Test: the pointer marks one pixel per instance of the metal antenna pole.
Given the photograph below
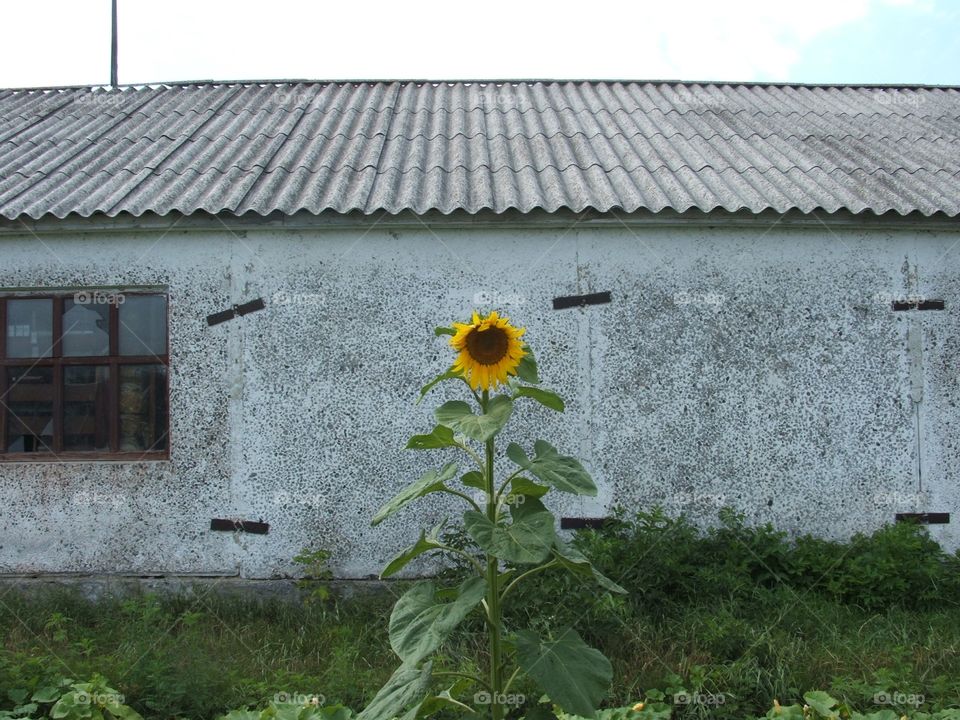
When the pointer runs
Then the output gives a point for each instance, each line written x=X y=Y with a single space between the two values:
x=113 y=48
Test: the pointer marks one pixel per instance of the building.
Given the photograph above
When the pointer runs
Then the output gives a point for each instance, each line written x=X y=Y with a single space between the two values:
x=218 y=302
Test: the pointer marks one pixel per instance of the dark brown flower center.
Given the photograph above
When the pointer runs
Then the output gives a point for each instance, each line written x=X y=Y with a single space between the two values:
x=488 y=347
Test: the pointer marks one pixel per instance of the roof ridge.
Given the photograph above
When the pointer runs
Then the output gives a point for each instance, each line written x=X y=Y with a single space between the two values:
x=479 y=81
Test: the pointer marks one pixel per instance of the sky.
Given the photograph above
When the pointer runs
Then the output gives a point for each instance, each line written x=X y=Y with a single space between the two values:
x=67 y=42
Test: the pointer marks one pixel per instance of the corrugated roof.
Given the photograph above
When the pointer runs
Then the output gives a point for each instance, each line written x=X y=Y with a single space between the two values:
x=423 y=146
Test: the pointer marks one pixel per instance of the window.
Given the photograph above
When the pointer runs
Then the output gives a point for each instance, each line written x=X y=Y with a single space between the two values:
x=83 y=375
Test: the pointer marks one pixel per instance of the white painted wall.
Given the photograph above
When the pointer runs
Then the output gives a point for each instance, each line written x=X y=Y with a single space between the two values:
x=754 y=366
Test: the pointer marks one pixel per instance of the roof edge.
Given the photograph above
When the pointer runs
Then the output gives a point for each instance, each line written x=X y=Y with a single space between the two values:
x=480 y=81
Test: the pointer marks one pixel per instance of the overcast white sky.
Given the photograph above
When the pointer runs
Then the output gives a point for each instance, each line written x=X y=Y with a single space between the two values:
x=66 y=42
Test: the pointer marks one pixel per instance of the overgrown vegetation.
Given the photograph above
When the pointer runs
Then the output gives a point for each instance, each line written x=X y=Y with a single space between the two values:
x=717 y=625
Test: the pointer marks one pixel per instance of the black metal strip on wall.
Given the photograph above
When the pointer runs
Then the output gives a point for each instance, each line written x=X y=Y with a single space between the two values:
x=247 y=526
x=569 y=301
x=236 y=311
x=937 y=518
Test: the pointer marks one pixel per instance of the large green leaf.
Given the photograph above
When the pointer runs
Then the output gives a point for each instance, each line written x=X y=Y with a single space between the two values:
x=546 y=398
x=406 y=686
x=425 y=544
x=527 y=369
x=474 y=479
x=822 y=703
x=457 y=414
x=431 y=481
x=575 y=676
x=420 y=623
x=561 y=471
x=434 y=704
x=527 y=540
x=440 y=437
x=524 y=486
x=577 y=563
x=450 y=374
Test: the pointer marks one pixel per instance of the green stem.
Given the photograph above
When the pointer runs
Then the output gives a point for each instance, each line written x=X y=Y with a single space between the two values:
x=517 y=579
x=465 y=497
x=493 y=587
x=468 y=676
x=456 y=551
x=513 y=676
x=503 y=485
x=473 y=454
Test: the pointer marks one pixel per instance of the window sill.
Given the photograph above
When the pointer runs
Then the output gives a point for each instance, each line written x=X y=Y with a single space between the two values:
x=76 y=457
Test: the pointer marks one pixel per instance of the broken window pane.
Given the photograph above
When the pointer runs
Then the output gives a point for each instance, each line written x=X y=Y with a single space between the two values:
x=143 y=407
x=86 y=328
x=86 y=407
x=143 y=325
x=29 y=328
x=29 y=407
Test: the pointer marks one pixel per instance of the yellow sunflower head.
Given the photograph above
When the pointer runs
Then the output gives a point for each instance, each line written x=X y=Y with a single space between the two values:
x=489 y=350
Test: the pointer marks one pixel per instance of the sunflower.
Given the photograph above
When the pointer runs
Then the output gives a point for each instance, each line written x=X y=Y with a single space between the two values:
x=490 y=350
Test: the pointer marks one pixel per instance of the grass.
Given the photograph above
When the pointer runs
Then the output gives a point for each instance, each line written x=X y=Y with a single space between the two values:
x=176 y=658
x=741 y=614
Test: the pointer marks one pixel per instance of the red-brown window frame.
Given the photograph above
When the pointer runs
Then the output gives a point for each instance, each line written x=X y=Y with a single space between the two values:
x=58 y=361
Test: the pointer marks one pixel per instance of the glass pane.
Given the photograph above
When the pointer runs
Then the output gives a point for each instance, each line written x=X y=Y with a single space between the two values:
x=86 y=328
x=86 y=408
x=29 y=328
x=143 y=325
x=143 y=407
x=29 y=402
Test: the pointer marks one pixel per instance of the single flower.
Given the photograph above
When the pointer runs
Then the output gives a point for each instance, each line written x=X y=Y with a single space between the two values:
x=639 y=706
x=489 y=350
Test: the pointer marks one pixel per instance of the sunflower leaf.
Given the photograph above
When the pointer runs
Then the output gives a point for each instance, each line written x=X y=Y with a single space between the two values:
x=474 y=479
x=406 y=685
x=430 y=482
x=448 y=375
x=527 y=540
x=458 y=416
x=546 y=398
x=578 y=564
x=563 y=472
x=440 y=437
x=438 y=331
x=420 y=621
x=425 y=544
x=573 y=674
x=527 y=369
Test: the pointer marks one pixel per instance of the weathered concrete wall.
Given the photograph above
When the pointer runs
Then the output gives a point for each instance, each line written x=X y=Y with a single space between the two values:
x=759 y=367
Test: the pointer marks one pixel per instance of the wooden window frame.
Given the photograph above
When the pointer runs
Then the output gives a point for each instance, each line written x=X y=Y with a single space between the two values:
x=113 y=360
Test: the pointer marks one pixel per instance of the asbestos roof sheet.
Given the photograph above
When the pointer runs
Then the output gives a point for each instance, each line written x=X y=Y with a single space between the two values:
x=420 y=146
